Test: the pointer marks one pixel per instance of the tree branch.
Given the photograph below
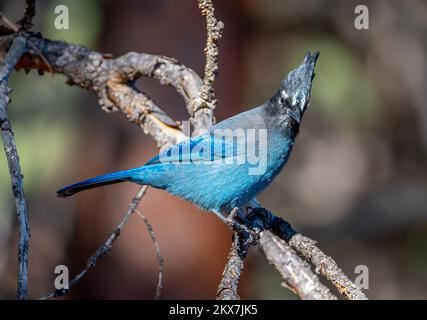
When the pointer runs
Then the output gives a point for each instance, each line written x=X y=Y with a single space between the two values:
x=158 y=254
x=110 y=80
x=103 y=249
x=203 y=114
x=227 y=289
x=305 y=283
x=6 y=66
x=296 y=273
x=326 y=266
x=26 y=22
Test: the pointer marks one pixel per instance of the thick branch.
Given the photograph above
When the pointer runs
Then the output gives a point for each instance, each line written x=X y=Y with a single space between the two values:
x=227 y=289
x=6 y=67
x=296 y=273
x=327 y=267
x=302 y=283
x=167 y=70
x=110 y=80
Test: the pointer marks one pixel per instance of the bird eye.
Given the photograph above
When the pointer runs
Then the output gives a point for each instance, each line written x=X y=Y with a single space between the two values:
x=281 y=100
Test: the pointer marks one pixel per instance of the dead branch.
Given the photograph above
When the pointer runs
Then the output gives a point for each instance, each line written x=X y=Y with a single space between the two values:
x=296 y=273
x=103 y=249
x=26 y=22
x=158 y=254
x=6 y=66
x=275 y=233
x=326 y=266
x=227 y=289
x=202 y=116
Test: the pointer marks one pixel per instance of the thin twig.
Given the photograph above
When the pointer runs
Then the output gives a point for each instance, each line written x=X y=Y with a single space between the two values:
x=26 y=22
x=158 y=254
x=8 y=22
x=103 y=249
x=6 y=67
x=14 y=27
x=203 y=114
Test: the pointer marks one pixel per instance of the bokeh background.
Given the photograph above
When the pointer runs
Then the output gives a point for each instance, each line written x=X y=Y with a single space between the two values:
x=356 y=180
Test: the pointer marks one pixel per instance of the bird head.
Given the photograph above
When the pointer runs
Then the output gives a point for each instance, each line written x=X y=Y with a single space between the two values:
x=293 y=96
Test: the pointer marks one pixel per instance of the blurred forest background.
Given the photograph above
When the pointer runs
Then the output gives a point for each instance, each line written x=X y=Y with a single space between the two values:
x=356 y=181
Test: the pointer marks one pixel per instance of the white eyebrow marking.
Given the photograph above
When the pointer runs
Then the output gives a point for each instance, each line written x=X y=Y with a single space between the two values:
x=294 y=100
x=302 y=106
x=284 y=94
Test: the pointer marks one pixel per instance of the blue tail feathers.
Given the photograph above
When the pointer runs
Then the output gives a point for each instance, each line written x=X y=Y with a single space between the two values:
x=107 y=179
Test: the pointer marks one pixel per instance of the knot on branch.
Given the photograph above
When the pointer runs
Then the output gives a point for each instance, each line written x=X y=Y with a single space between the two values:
x=97 y=76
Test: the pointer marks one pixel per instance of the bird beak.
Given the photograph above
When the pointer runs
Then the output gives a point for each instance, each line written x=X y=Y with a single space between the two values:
x=295 y=114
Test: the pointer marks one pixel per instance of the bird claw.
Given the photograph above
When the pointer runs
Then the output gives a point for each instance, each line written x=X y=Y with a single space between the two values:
x=240 y=227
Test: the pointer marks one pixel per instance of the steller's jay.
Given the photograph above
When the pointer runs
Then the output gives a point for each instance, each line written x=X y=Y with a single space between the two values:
x=235 y=160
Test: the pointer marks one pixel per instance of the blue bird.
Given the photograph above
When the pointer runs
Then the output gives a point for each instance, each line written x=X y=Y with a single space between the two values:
x=235 y=160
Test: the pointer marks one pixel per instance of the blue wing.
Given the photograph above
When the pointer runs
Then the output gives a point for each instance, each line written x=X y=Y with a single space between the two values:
x=201 y=148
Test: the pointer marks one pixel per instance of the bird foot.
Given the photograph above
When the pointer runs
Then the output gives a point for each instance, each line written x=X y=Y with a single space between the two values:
x=236 y=226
